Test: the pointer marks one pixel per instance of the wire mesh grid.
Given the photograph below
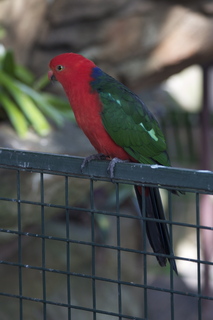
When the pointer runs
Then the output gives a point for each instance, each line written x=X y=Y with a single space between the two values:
x=67 y=253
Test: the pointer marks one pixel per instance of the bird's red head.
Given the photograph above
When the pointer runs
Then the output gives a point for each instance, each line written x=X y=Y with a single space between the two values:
x=67 y=66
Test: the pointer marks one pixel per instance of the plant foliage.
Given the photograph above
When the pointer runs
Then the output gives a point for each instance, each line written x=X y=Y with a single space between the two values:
x=23 y=102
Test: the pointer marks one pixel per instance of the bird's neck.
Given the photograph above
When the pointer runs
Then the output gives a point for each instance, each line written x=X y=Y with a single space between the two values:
x=84 y=101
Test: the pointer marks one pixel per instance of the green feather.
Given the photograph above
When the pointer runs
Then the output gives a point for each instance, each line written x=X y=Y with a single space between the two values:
x=129 y=122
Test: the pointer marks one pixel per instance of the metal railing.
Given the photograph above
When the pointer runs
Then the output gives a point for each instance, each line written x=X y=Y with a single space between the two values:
x=67 y=253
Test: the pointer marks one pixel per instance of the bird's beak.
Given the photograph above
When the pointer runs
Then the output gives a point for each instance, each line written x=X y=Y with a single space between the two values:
x=51 y=76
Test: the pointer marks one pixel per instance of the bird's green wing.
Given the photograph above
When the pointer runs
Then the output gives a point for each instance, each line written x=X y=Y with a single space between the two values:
x=129 y=123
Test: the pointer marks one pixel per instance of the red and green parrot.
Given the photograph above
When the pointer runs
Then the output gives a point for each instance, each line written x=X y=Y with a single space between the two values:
x=120 y=127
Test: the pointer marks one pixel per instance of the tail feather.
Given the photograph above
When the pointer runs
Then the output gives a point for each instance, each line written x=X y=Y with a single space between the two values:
x=157 y=232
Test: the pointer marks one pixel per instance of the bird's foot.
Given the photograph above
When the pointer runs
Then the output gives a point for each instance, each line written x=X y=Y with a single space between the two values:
x=97 y=156
x=111 y=166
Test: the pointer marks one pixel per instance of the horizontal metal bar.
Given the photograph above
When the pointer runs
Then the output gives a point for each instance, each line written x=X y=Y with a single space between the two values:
x=115 y=281
x=66 y=305
x=98 y=245
x=167 y=177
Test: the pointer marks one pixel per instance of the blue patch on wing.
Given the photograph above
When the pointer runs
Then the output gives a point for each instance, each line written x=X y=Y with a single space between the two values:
x=96 y=73
x=101 y=81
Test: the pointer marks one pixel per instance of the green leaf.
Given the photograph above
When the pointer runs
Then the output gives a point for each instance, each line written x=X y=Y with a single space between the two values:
x=24 y=75
x=60 y=104
x=33 y=114
x=8 y=63
x=15 y=116
x=26 y=104
x=2 y=32
x=42 y=102
x=41 y=83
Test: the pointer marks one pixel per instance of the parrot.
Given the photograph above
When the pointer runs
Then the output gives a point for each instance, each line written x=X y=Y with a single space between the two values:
x=121 y=128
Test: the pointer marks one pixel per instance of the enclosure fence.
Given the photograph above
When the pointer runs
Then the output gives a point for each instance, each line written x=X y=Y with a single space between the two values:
x=73 y=245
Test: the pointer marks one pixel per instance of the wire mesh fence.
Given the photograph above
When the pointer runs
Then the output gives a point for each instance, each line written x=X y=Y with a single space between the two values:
x=73 y=245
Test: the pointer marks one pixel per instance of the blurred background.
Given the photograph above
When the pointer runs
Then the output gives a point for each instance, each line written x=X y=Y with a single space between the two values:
x=163 y=51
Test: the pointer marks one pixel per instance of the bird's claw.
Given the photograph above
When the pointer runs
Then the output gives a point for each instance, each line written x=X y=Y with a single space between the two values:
x=101 y=156
x=111 y=166
x=98 y=156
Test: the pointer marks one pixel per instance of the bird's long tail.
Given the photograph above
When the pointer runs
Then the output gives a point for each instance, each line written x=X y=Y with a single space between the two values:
x=157 y=232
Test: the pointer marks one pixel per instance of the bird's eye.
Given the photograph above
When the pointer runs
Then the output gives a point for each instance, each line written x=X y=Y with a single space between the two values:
x=59 y=68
